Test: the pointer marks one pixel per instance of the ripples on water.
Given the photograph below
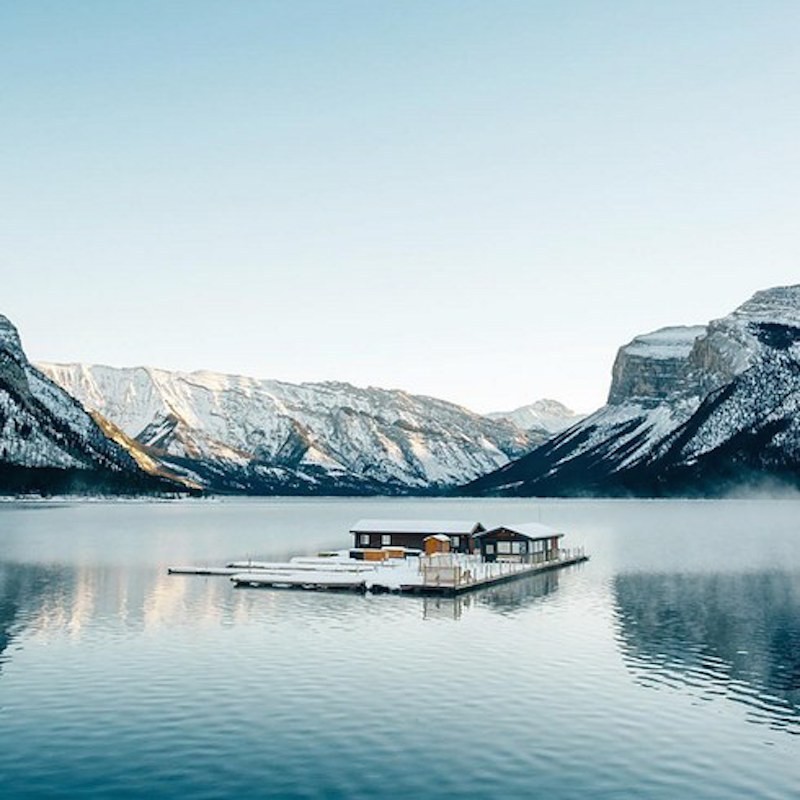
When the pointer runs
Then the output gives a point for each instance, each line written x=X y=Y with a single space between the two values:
x=612 y=679
x=717 y=636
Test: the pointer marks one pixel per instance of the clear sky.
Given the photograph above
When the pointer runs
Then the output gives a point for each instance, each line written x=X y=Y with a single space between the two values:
x=475 y=200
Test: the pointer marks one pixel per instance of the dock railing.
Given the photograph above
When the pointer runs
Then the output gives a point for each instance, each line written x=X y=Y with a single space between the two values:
x=457 y=570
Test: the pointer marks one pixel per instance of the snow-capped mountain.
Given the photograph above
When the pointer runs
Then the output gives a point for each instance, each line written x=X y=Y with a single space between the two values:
x=48 y=442
x=233 y=433
x=543 y=415
x=695 y=410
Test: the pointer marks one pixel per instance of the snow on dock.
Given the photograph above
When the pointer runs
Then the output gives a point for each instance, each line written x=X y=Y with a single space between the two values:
x=441 y=573
x=299 y=564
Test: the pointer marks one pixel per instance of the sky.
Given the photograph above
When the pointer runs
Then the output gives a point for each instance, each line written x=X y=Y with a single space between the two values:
x=479 y=201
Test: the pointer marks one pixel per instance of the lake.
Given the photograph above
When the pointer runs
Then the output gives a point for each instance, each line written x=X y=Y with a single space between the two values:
x=668 y=666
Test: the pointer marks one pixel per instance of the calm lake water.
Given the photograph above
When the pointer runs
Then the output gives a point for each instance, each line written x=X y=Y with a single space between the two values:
x=668 y=666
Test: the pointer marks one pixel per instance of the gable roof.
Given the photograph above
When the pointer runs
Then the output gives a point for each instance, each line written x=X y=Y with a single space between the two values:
x=530 y=530
x=452 y=527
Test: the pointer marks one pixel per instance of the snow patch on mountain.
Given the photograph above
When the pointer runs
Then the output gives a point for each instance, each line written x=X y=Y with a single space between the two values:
x=665 y=343
x=247 y=430
x=545 y=415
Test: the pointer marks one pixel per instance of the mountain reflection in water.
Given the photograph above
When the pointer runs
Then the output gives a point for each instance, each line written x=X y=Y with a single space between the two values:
x=732 y=636
x=46 y=599
x=24 y=591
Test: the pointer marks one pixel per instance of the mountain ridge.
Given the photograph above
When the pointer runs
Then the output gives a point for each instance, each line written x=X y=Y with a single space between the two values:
x=49 y=443
x=697 y=411
x=235 y=433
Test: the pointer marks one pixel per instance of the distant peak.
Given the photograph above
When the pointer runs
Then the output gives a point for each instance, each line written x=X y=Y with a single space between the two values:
x=551 y=407
x=546 y=414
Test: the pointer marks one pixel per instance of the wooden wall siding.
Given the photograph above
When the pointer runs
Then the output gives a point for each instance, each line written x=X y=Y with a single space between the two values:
x=435 y=546
x=545 y=549
x=415 y=540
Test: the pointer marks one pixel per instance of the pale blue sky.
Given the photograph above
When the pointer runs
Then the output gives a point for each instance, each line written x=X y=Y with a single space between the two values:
x=475 y=200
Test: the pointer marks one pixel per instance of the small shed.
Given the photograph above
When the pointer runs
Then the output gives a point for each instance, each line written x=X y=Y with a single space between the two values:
x=438 y=543
x=529 y=542
x=411 y=533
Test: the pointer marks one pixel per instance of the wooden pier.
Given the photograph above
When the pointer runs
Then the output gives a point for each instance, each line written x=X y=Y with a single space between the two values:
x=463 y=581
x=438 y=564
x=444 y=575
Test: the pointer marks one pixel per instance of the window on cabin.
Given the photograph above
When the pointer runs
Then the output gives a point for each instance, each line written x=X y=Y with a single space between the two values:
x=489 y=549
x=455 y=541
x=504 y=547
x=386 y=538
x=516 y=548
x=364 y=539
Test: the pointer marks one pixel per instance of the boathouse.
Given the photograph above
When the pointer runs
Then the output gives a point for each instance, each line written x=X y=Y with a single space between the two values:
x=412 y=533
x=530 y=543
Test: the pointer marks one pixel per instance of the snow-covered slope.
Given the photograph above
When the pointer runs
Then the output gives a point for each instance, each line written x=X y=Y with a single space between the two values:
x=242 y=434
x=696 y=410
x=47 y=440
x=548 y=416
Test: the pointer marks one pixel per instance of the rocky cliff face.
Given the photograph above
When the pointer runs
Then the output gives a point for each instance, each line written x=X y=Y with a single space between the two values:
x=701 y=410
x=47 y=440
x=232 y=433
x=654 y=366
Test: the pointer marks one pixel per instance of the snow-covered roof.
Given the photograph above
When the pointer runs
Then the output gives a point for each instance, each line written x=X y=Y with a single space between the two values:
x=439 y=537
x=532 y=530
x=457 y=527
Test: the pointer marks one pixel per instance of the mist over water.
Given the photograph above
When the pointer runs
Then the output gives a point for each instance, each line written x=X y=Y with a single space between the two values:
x=667 y=666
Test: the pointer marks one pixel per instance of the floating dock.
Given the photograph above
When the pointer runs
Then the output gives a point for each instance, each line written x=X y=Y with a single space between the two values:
x=445 y=574
x=503 y=572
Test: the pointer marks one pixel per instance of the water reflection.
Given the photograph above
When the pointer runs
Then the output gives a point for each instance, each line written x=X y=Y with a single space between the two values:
x=79 y=602
x=23 y=590
x=505 y=598
x=733 y=636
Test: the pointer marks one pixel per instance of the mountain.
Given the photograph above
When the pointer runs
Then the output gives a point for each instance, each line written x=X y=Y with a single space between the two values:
x=236 y=434
x=703 y=411
x=549 y=416
x=49 y=443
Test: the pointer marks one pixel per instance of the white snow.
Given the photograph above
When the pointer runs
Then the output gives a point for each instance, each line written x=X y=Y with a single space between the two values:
x=547 y=415
x=673 y=342
x=445 y=570
x=53 y=430
x=534 y=530
x=387 y=436
x=635 y=430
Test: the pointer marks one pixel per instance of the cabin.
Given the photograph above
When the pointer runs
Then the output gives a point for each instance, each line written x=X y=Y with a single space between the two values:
x=413 y=533
x=530 y=543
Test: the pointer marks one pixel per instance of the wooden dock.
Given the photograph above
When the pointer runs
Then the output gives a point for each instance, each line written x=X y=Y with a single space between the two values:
x=450 y=581
x=440 y=574
x=433 y=576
